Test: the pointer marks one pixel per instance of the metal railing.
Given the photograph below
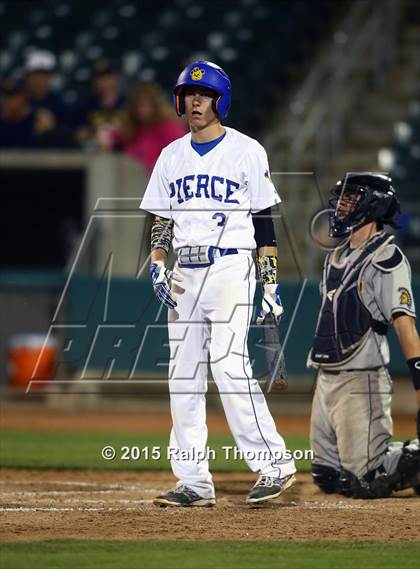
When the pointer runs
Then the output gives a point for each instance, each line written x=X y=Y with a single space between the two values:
x=360 y=51
x=311 y=132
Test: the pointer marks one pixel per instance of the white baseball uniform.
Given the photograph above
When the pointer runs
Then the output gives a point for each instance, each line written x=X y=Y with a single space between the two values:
x=210 y=199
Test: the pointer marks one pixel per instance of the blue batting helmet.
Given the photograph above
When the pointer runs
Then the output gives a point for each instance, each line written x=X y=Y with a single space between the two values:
x=205 y=74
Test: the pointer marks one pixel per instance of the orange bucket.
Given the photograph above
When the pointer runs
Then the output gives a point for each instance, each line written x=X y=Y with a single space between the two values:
x=23 y=354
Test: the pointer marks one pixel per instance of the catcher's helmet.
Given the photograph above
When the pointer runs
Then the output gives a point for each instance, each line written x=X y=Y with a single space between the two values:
x=358 y=199
x=205 y=74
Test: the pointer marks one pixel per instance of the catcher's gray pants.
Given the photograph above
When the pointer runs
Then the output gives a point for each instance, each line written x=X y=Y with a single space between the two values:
x=351 y=422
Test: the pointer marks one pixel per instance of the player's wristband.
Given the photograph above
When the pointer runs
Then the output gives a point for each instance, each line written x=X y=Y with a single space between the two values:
x=414 y=367
x=267 y=268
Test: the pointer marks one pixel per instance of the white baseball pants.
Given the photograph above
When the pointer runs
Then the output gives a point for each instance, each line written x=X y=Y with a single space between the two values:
x=210 y=325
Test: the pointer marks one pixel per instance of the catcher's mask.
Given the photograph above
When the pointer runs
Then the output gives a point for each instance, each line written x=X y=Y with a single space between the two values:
x=360 y=198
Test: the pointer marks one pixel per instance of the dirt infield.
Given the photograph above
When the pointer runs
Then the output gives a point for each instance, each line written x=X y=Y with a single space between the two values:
x=47 y=504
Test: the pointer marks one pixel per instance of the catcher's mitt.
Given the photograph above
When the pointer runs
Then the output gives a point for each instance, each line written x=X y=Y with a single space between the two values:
x=276 y=364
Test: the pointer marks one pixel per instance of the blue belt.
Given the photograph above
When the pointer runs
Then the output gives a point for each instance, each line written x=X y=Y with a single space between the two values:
x=224 y=252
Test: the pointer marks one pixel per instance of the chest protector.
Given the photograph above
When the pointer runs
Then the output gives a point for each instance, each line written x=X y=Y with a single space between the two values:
x=344 y=322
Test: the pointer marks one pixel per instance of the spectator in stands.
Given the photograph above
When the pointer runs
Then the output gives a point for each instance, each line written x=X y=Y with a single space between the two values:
x=103 y=108
x=20 y=125
x=38 y=76
x=148 y=124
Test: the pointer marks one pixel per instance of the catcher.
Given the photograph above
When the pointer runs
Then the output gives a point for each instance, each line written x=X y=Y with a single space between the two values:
x=365 y=288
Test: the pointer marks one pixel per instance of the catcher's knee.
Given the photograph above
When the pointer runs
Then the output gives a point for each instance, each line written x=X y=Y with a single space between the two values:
x=327 y=478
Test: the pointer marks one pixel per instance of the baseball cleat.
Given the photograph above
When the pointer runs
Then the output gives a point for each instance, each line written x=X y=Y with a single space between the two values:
x=182 y=496
x=268 y=488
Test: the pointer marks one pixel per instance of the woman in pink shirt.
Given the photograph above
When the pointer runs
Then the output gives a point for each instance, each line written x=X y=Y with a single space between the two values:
x=148 y=124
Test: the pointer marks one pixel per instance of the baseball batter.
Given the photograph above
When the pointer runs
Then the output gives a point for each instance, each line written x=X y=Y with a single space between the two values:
x=211 y=194
x=366 y=286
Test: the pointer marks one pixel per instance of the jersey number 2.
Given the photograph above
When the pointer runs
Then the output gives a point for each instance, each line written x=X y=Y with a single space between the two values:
x=221 y=217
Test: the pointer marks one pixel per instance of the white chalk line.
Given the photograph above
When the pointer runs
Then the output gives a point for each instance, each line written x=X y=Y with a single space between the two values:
x=48 y=501
x=76 y=509
x=335 y=506
x=77 y=492
x=101 y=505
x=305 y=505
x=98 y=487
x=75 y=496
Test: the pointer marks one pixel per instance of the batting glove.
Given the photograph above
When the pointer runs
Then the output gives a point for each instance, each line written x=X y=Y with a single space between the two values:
x=162 y=279
x=271 y=302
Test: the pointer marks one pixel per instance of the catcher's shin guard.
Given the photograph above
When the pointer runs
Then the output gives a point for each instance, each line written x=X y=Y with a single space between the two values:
x=327 y=478
x=375 y=484
x=378 y=484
